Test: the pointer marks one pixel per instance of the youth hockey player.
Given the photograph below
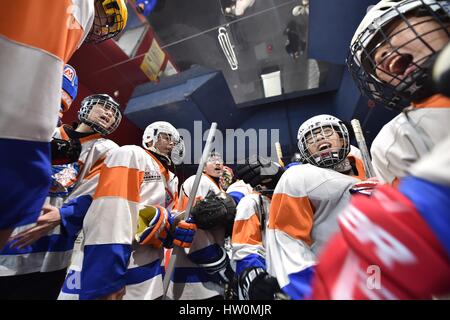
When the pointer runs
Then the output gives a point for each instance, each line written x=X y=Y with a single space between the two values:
x=306 y=202
x=28 y=264
x=388 y=242
x=37 y=39
x=396 y=231
x=129 y=221
x=390 y=58
x=202 y=271
x=248 y=238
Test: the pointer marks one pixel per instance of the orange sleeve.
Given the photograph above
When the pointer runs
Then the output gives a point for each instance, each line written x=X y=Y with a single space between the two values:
x=247 y=231
x=292 y=215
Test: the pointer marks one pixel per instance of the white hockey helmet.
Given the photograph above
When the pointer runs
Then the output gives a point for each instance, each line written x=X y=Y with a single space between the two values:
x=329 y=159
x=151 y=134
x=108 y=104
x=371 y=34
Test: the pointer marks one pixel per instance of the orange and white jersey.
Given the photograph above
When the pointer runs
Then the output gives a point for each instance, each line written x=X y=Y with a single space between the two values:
x=408 y=137
x=37 y=38
x=189 y=281
x=248 y=237
x=303 y=216
x=130 y=179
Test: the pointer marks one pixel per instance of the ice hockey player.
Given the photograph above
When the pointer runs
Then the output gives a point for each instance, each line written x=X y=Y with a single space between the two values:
x=391 y=56
x=389 y=241
x=248 y=238
x=29 y=264
x=306 y=202
x=202 y=271
x=129 y=221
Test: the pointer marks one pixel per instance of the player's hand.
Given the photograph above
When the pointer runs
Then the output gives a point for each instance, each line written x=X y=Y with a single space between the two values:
x=49 y=220
x=184 y=233
x=365 y=187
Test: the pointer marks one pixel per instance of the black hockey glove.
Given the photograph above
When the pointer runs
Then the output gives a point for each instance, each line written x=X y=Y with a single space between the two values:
x=259 y=171
x=215 y=211
x=257 y=284
x=65 y=151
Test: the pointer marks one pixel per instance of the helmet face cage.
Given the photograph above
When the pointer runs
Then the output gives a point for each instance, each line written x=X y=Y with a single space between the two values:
x=110 y=19
x=106 y=103
x=361 y=60
x=153 y=132
x=331 y=157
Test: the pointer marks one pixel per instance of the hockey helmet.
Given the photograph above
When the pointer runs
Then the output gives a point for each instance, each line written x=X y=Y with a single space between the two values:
x=151 y=135
x=110 y=19
x=371 y=35
x=103 y=124
x=328 y=125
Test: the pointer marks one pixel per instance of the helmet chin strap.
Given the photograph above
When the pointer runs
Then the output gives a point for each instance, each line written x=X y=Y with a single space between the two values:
x=343 y=166
x=154 y=149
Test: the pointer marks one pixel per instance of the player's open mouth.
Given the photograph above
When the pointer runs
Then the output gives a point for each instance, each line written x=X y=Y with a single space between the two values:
x=104 y=119
x=400 y=65
x=324 y=146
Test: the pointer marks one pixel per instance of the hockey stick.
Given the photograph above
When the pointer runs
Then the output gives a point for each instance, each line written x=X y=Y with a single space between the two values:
x=359 y=136
x=205 y=154
x=279 y=153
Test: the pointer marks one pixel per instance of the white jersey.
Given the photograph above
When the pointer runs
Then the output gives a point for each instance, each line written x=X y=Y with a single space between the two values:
x=408 y=137
x=189 y=281
x=248 y=238
x=110 y=259
x=53 y=251
x=303 y=216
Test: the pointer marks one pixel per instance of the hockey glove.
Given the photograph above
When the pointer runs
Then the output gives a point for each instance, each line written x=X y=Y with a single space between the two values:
x=215 y=211
x=257 y=284
x=65 y=151
x=153 y=227
x=184 y=233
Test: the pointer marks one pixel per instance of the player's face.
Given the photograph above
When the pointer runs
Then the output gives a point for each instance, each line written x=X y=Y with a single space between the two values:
x=165 y=143
x=214 y=167
x=323 y=140
x=102 y=115
x=394 y=66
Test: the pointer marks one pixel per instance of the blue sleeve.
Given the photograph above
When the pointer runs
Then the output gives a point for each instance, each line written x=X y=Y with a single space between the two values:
x=432 y=201
x=25 y=173
x=104 y=270
x=237 y=196
x=300 y=284
x=72 y=214
x=250 y=261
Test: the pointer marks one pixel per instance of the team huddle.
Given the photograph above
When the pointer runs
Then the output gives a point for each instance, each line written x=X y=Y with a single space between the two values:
x=88 y=219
